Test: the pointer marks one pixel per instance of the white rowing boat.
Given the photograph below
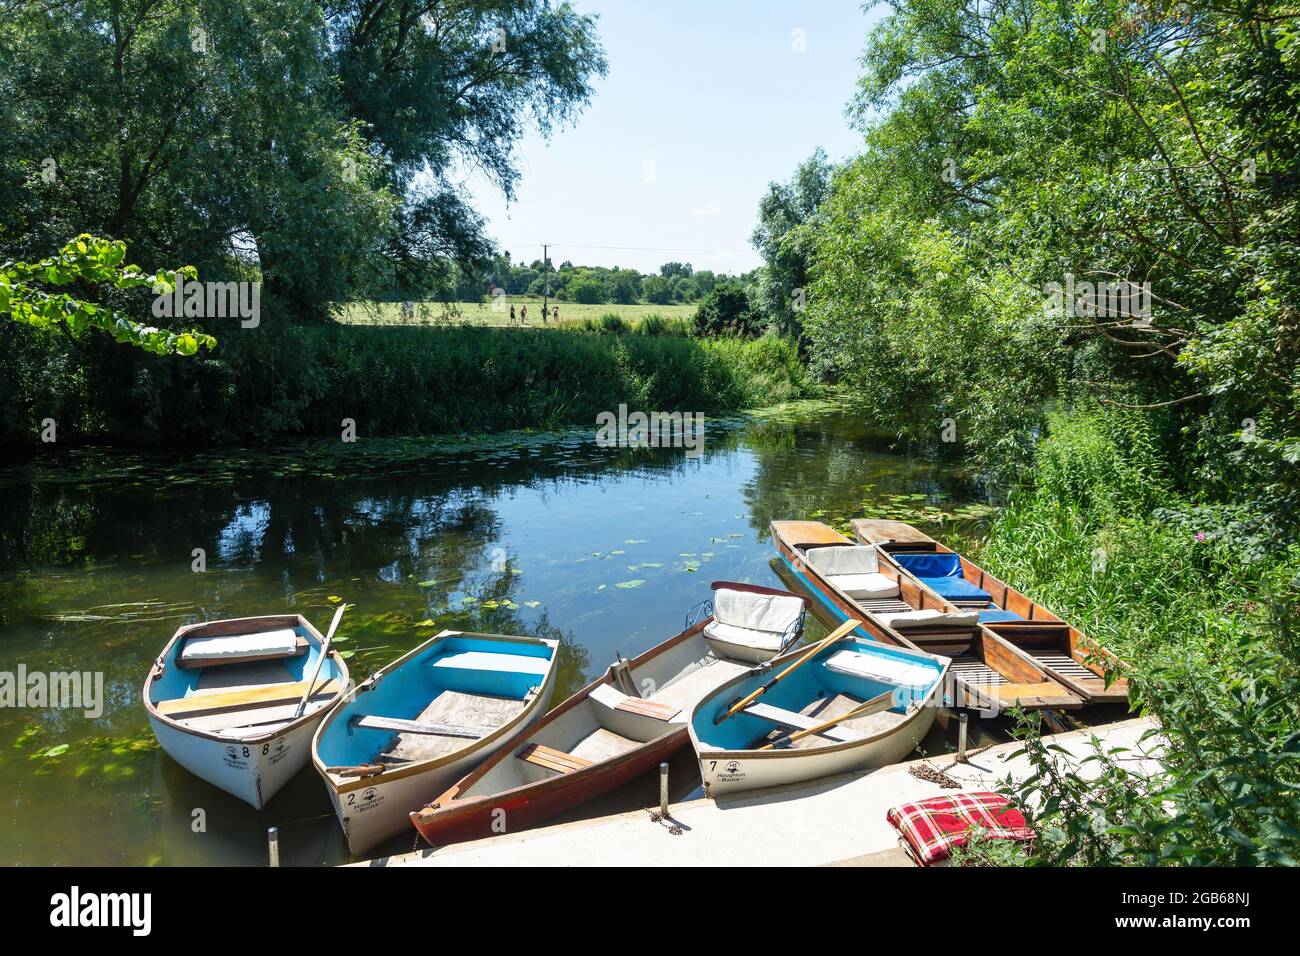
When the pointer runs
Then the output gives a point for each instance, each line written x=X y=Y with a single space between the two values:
x=791 y=733
x=619 y=727
x=223 y=700
x=423 y=722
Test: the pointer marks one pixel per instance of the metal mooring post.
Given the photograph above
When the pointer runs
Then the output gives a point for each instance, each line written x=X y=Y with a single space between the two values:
x=961 y=738
x=273 y=845
x=663 y=790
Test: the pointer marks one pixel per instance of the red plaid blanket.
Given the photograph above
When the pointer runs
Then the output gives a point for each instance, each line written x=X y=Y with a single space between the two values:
x=933 y=827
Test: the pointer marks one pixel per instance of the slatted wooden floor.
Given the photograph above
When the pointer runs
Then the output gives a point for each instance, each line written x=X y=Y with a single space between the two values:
x=450 y=707
x=1054 y=658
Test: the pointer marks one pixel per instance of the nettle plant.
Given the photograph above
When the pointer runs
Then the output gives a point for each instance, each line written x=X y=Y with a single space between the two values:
x=32 y=293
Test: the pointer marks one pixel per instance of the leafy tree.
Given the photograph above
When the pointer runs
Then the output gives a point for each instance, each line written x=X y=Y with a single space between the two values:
x=726 y=312
x=657 y=290
x=1011 y=147
x=320 y=136
x=88 y=262
x=670 y=269
x=587 y=290
x=786 y=238
x=625 y=286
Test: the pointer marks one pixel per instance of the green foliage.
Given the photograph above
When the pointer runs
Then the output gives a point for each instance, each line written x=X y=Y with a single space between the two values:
x=786 y=237
x=725 y=312
x=279 y=381
x=588 y=291
x=611 y=323
x=88 y=262
x=1211 y=646
x=656 y=324
x=321 y=138
x=1012 y=145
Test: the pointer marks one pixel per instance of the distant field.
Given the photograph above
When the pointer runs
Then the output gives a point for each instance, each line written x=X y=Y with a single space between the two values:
x=486 y=313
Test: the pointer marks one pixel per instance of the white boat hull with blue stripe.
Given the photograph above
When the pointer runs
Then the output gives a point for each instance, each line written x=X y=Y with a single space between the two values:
x=846 y=675
x=423 y=722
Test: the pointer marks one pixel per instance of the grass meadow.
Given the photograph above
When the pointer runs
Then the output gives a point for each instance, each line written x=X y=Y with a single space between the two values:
x=497 y=312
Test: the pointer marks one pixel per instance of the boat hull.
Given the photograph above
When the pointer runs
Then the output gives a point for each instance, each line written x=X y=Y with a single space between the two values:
x=253 y=770
x=525 y=807
x=729 y=771
x=374 y=809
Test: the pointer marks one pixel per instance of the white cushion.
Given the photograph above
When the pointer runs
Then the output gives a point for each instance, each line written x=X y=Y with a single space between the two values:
x=844 y=559
x=865 y=587
x=760 y=612
x=929 y=618
x=745 y=636
x=280 y=643
x=881 y=668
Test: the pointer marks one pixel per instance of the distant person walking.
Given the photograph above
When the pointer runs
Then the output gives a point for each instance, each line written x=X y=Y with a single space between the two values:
x=512 y=313
x=523 y=314
x=555 y=314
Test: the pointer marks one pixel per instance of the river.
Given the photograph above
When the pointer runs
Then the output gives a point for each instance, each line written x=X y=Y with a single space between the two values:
x=603 y=548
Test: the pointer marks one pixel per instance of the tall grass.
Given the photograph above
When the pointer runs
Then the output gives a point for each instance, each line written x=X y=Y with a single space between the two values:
x=278 y=381
x=1211 y=643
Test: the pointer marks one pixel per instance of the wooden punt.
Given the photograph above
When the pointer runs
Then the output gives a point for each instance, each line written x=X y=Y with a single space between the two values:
x=1075 y=660
x=222 y=695
x=425 y=720
x=897 y=689
x=619 y=727
x=988 y=673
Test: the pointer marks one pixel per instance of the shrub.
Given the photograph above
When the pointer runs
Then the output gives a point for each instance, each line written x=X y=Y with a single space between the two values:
x=725 y=312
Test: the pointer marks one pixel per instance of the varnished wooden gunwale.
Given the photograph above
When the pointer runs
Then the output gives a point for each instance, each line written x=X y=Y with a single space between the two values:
x=1039 y=622
x=1026 y=683
x=451 y=818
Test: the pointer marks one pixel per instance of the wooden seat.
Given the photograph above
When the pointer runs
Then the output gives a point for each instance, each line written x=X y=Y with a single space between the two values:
x=300 y=648
x=552 y=759
x=221 y=701
x=370 y=722
x=793 y=721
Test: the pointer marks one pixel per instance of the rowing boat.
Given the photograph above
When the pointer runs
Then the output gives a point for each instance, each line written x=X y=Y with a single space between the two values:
x=988 y=673
x=1078 y=662
x=425 y=720
x=223 y=700
x=855 y=705
x=619 y=727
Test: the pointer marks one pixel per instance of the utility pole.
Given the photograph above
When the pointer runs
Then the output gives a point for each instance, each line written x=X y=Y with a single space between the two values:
x=546 y=282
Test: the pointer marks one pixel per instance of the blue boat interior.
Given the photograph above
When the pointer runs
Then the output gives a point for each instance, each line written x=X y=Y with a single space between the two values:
x=941 y=572
x=802 y=690
x=492 y=679
x=177 y=682
x=994 y=615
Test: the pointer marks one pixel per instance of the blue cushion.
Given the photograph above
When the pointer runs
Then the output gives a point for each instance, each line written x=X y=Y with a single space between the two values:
x=930 y=564
x=996 y=615
x=956 y=589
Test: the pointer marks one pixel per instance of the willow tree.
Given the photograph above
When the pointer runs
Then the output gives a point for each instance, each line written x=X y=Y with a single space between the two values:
x=317 y=143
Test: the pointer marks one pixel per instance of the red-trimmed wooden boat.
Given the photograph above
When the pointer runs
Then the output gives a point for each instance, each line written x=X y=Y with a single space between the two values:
x=1064 y=652
x=988 y=673
x=622 y=725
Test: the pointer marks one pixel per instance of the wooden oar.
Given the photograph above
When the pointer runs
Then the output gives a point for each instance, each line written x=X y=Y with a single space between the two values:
x=873 y=706
x=831 y=638
x=324 y=652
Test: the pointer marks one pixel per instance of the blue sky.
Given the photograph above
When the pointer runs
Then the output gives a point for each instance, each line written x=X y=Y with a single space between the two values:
x=705 y=103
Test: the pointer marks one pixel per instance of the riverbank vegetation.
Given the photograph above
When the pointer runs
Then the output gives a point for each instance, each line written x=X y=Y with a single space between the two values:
x=276 y=381
x=1020 y=161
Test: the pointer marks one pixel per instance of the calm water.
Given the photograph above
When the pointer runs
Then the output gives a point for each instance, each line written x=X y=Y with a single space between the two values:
x=605 y=549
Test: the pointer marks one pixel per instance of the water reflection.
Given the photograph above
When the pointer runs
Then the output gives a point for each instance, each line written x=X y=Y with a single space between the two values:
x=603 y=549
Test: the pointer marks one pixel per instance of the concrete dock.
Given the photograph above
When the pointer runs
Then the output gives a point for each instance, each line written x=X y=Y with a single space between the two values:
x=834 y=821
